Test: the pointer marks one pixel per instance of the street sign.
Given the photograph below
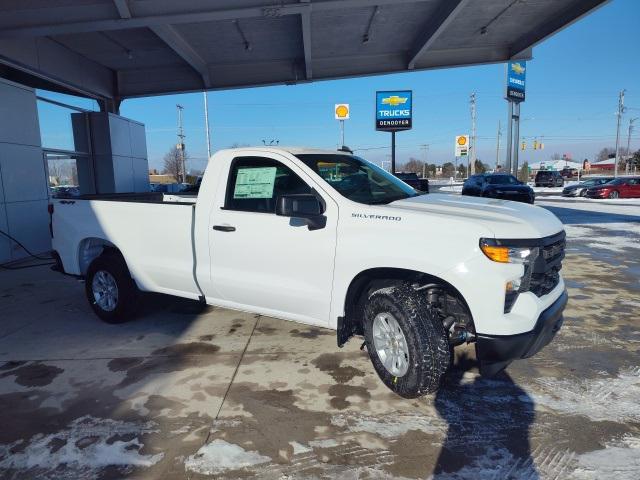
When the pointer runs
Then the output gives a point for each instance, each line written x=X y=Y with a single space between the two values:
x=394 y=110
x=516 y=80
x=462 y=145
x=342 y=111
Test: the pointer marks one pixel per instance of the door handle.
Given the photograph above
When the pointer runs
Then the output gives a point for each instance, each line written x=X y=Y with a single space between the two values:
x=224 y=228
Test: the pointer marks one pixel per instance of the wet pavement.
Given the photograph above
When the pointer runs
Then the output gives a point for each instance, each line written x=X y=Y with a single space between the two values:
x=181 y=393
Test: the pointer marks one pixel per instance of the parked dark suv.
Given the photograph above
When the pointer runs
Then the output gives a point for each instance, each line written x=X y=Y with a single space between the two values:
x=549 y=178
x=412 y=179
x=498 y=185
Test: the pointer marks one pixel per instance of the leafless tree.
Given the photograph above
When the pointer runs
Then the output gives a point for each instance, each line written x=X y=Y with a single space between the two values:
x=414 y=166
x=173 y=163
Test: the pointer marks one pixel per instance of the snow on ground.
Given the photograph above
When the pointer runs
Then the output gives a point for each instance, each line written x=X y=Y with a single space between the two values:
x=451 y=188
x=591 y=234
x=601 y=399
x=592 y=201
x=82 y=449
x=498 y=463
x=389 y=427
x=617 y=461
x=219 y=456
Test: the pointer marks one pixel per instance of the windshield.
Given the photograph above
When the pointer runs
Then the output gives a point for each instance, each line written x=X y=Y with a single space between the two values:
x=357 y=179
x=502 y=180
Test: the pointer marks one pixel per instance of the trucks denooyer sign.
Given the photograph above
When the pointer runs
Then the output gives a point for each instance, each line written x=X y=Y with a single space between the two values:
x=393 y=110
x=516 y=79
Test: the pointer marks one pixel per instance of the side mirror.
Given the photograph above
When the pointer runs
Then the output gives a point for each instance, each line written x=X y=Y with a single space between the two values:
x=305 y=206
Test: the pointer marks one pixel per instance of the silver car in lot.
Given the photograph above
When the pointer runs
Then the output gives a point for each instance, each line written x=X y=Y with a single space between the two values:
x=580 y=189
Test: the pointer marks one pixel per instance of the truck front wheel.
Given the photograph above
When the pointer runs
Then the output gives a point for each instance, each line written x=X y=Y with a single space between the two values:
x=406 y=341
x=110 y=289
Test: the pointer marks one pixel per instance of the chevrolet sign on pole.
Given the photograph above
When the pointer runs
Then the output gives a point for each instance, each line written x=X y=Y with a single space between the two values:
x=514 y=94
x=393 y=110
x=516 y=80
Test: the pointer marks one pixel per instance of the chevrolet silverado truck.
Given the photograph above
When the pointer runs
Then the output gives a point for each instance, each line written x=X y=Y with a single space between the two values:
x=329 y=239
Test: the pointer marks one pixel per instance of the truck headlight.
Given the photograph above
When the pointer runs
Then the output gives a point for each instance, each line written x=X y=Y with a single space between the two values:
x=506 y=254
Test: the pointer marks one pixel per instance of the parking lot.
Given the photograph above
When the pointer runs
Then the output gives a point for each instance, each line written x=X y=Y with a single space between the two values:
x=180 y=393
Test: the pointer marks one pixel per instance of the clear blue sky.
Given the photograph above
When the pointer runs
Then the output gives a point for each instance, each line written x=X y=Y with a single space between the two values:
x=572 y=93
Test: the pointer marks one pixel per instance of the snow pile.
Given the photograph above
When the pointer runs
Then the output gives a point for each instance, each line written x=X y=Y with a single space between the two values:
x=600 y=399
x=219 y=456
x=84 y=447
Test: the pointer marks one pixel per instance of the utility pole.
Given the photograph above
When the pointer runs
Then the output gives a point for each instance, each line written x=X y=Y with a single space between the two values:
x=472 y=157
x=516 y=136
x=180 y=146
x=498 y=145
x=631 y=120
x=206 y=125
x=508 y=165
x=620 y=112
x=424 y=148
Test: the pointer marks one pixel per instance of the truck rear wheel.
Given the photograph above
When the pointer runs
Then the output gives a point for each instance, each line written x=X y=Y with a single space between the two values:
x=110 y=289
x=406 y=341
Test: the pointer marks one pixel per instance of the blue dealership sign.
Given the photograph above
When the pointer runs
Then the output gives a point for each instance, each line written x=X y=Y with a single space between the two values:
x=394 y=110
x=516 y=81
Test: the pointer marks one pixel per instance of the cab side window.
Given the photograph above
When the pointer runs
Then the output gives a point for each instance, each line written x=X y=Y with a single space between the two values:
x=255 y=183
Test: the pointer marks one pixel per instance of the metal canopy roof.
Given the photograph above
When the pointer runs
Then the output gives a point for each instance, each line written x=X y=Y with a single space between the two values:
x=113 y=49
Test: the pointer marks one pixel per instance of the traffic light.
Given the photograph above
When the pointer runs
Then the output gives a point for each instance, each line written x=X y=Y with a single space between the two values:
x=535 y=144
x=523 y=146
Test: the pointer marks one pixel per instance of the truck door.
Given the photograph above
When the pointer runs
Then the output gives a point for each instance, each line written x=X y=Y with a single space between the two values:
x=267 y=263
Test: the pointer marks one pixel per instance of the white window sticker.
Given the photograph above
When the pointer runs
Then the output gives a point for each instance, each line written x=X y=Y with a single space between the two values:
x=254 y=182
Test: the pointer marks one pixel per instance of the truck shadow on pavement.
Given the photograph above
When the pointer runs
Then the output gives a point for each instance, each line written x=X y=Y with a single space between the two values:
x=488 y=427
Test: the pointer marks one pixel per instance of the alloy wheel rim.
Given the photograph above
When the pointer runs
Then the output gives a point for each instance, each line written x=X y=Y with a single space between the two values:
x=105 y=290
x=390 y=344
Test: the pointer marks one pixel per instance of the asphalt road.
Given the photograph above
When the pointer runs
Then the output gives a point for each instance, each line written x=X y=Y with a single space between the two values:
x=180 y=393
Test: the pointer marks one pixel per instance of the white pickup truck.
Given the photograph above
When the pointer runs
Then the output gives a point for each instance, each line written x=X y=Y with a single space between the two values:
x=328 y=239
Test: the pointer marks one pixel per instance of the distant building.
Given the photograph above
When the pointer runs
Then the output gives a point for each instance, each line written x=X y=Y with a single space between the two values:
x=164 y=179
x=608 y=164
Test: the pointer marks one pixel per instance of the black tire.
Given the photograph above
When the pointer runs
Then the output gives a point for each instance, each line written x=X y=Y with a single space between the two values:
x=426 y=339
x=127 y=292
x=614 y=194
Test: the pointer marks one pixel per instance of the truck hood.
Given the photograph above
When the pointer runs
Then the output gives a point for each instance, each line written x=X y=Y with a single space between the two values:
x=504 y=218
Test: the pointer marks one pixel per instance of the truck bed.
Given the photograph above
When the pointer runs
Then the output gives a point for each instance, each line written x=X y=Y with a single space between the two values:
x=141 y=197
x=154 y=235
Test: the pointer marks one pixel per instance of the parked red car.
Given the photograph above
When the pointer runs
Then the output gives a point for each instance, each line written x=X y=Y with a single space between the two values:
x=622 y=187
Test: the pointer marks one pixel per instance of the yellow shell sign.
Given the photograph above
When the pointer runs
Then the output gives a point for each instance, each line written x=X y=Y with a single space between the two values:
x=342 y=111
x=462 y=145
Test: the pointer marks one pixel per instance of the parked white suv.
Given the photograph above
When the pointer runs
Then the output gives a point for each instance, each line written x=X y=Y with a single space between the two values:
x=329 y=239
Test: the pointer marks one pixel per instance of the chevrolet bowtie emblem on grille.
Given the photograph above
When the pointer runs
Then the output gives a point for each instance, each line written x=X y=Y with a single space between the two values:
x=394 y=100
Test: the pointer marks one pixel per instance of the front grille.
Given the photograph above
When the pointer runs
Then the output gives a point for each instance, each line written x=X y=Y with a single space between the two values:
x=544 y=274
